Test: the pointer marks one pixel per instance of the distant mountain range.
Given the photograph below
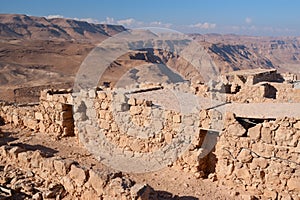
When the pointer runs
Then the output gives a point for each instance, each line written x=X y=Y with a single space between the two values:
x=36 y=51
x=36 y=28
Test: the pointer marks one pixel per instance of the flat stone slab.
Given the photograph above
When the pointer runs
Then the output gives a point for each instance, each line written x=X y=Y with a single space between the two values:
x=264 y=110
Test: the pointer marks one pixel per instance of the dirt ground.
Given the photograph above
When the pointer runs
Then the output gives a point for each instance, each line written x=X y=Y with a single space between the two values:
x=170 y=183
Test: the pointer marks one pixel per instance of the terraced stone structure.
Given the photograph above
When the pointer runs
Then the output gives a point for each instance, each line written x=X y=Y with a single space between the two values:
x=256 y=154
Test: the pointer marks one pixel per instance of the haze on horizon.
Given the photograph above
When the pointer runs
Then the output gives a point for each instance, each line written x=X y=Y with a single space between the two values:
x=249 y=17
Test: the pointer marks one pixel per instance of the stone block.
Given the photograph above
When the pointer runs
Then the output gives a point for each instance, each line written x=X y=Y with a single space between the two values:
x=132 y=101
x=176 y=118
x=261 y=163
x=266 y=135
x=36 y=159
x=297 y=125
x=254 y=132
x=101 y=95
x=293 y=184
x=78 y=175
x=97 y=181
x=236 y=129
x=135 y=110
x=62 y=166
x=142 y=192
x=245 y=156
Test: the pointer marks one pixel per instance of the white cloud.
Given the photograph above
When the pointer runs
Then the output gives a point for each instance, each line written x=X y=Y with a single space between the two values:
x=127 y=22
x=248 y=20
x=89 y=20
x=130 y=22
x=54 y=16
x=204 y=25
x=160 y=24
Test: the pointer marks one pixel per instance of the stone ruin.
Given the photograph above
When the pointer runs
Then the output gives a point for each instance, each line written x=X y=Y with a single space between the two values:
x=255 y=155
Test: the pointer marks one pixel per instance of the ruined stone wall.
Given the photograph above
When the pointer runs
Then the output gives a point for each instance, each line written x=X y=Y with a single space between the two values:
x=53 y=115
x=39 y=177
x=263 y=160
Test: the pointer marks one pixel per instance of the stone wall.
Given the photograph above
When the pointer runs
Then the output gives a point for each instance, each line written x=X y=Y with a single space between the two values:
x=35 y=176
x=53 y=115
x=263 y=160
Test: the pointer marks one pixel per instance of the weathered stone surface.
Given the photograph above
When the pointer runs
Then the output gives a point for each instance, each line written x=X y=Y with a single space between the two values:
x=78 y=175
x=97 y=181
x=132 y=101
x=62 y=166
x=254 y=132
x=236 y=129
x=142 y=192
x=245 y=156
x=266 y=135
x=293 y=184
x=176 y=118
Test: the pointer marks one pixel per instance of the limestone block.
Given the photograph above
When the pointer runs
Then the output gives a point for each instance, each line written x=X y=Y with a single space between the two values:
x=24 y=158
x=168 y=137
x=101 y=95
x=132 y=101
x=297 y=125
x=78 y=175
x=68 y=184
x=135 y=110
x=38 y=116
x=245 y=156
x=254 y=132
x=142 y=192
x=62 y=167
x=266 y=135
x=104 y=105
x=92 y=94
x=260 y=162
x=36 y=159
x=236 y=129
x=293 y=184
x=176 y=118
x=104 y=125
x=15 y=151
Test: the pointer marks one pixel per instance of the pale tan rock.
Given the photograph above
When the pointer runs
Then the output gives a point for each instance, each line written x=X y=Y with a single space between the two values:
x=293 y=184
x=135 y=110
x=78 y=175
x=177 y=118
x=168 y=137
x=132 y=101
x=297 y=125
x=97 y=182
x=254 y=132
x=245 y=156
x=104 y=125
x=101 y=95
x=142 y=192
x=62 y=167
x=68 y=184
x=236 y=129
x=266 y=135
x=36 y=159
x=261 y=163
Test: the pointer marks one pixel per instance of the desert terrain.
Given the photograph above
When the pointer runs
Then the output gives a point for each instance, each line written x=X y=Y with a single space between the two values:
x=238 y=147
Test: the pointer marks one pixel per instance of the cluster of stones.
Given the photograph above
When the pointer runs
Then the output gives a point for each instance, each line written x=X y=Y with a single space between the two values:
x=134 y=124
x=258 y=86
x=53 y=115
x=34 y=176
x=263 y=160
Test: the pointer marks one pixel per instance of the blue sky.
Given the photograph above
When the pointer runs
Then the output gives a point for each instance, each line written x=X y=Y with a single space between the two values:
x=250 y=17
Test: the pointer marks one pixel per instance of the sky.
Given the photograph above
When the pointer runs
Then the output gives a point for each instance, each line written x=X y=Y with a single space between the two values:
x=244 y=17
